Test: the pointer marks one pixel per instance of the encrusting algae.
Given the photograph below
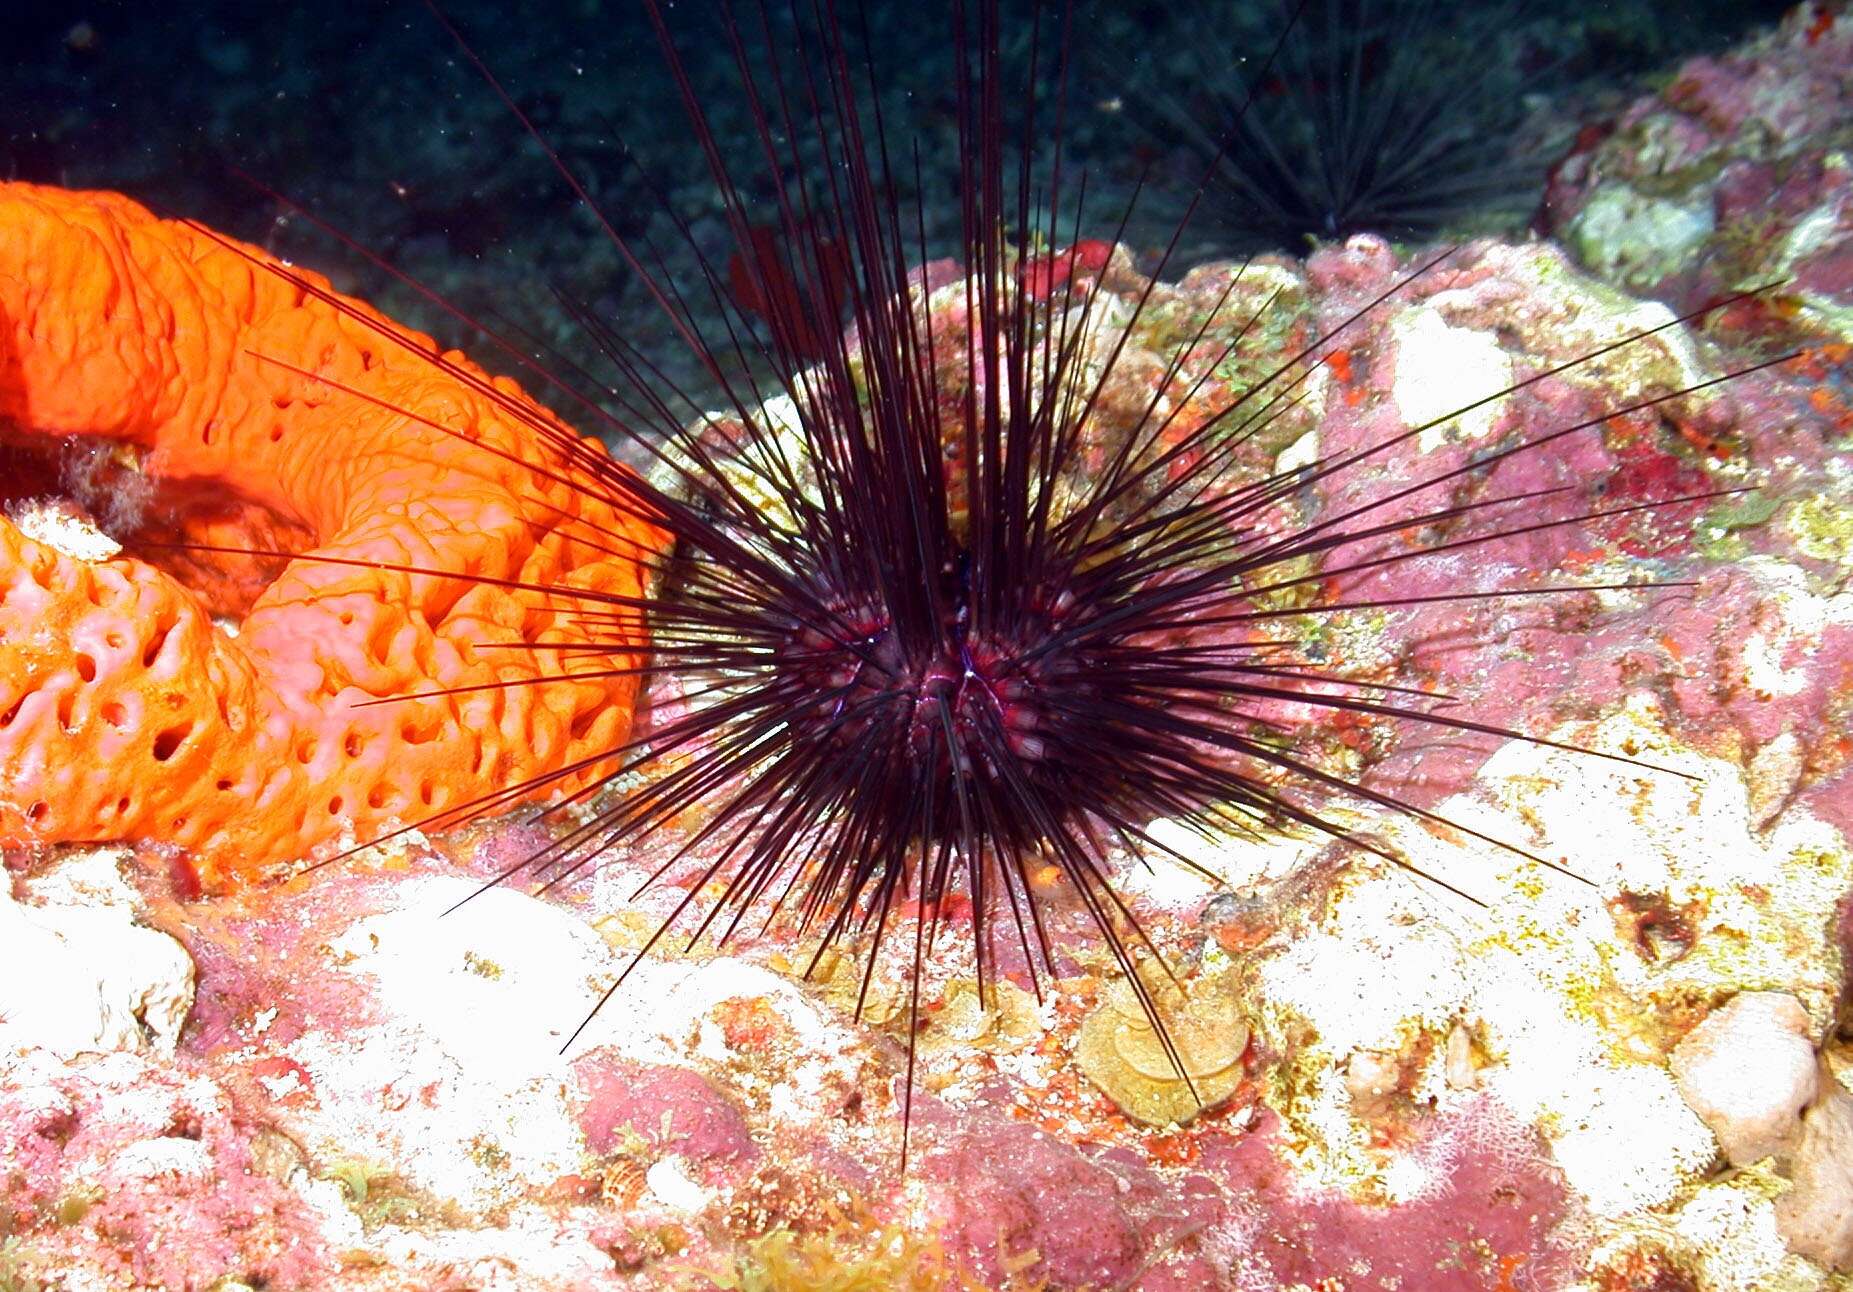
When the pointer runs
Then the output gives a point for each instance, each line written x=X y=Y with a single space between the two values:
x=1124 y=1055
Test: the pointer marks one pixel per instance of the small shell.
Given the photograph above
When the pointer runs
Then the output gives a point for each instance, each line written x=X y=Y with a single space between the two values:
x=1123 y=1054
x=1205 y=1047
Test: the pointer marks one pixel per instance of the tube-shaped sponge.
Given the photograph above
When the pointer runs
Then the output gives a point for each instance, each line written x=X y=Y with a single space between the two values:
x=129 y=711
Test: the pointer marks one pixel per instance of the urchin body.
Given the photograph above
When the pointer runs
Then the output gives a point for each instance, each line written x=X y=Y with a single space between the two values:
x=952 y=699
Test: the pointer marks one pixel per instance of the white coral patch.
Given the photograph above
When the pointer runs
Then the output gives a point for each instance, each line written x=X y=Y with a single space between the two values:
x=1236 y=862
x=504 y=979
x=1777 y=656
x=1809 y=234
x=669 y=1184
x=1616 y=1128
x=1685 y=831
x=1396 y=970
x=479 y=1002
x=1559 y=996
x=528 y=1249
x=167 y=1157
x=1734 y=1234
x=1441 y=368
x=1300 y=454
x=1764 y=669
x=1726 y=1229
x=493 y=982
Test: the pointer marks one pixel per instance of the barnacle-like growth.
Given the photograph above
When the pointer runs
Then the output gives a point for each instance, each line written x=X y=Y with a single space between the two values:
x=1121 y=1050
x=433 y=522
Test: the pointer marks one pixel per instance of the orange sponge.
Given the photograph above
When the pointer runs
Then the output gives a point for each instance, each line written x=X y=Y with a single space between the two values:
x=126 y=712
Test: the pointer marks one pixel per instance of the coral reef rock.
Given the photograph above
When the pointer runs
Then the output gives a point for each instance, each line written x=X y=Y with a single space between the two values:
x=1734 y=174
x=1816 y=1214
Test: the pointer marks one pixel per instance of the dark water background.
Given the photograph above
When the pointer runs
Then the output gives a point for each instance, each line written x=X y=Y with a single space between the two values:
x=365 y=114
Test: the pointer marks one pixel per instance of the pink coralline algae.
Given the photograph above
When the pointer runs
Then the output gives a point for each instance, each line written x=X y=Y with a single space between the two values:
x=144 y=1176
x=1241 y=1218
x=669 y=1109
x=1495 y=1207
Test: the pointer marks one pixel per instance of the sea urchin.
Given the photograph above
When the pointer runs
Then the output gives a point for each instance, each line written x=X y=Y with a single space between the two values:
x=939 y=617
x=1395 y=117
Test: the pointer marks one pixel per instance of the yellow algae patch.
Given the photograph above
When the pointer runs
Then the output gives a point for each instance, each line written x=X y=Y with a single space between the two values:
x=1822 y=525
x=1573 y=991
x=958 y=1018
x=840 y=974
x=963 y=1019
x=848 y=1259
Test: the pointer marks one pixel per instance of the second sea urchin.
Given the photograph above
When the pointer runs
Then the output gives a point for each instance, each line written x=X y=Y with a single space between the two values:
x=1395 y=117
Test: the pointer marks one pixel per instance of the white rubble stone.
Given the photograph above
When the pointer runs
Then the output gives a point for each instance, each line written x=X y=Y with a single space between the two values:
x=1748 y=1071
x=1816 y=1214
x=1441 y=368
x=79 y=975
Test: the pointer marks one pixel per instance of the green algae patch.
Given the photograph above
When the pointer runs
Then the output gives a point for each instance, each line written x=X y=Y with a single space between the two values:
x=374 y=1192
x=1639 y=238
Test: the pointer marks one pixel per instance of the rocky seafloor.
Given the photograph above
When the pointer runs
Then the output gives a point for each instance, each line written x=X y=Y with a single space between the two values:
x=1633 y=1075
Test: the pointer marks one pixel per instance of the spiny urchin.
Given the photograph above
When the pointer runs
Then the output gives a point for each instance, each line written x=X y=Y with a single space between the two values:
x=1395 y=117
x=938 y=618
